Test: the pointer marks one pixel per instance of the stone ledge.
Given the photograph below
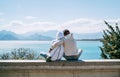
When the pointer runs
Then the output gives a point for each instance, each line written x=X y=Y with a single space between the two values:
x=60 y=65
x=40 y=68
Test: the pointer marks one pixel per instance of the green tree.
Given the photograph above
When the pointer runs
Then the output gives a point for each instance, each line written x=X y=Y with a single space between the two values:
x=111 y=42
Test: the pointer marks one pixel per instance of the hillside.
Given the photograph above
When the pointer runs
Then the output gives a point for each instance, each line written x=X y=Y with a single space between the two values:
x=8 y=35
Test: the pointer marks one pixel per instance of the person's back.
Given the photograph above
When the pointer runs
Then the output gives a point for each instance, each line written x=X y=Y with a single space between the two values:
x=56 y=50
x=70 y=49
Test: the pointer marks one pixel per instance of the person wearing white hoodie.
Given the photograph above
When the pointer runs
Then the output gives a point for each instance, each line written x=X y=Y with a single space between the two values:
x=56 y=50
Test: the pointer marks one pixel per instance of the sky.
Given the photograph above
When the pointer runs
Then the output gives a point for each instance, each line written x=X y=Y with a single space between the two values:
x=79 y=16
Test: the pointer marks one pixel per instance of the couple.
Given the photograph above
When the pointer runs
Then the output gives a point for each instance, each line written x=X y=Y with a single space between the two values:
x=63 y=46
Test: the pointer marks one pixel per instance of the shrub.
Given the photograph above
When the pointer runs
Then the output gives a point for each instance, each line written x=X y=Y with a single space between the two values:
x=20 y=54
x=111 y=42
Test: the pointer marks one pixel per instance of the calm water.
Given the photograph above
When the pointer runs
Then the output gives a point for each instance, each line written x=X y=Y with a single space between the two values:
x=90 y=48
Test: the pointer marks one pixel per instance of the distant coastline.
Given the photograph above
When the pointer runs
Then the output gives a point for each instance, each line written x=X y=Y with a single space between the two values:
x=88 y=39
x=51 y=40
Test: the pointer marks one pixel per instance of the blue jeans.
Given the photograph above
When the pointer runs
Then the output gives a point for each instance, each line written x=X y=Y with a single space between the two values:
x=73 y=57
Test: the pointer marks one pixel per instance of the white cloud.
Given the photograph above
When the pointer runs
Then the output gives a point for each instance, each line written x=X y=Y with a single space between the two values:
x=21 y=27
x=30 y=17
x=81 y=25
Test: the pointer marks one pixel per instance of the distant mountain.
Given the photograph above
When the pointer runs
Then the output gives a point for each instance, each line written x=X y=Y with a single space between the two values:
x=48 y=35
x=8 y=35
x=37 y=37
x=88 y=36
x=76 y=35
x=51 y=33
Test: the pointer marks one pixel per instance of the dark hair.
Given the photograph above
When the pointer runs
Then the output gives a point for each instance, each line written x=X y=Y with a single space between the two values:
x=66 y=32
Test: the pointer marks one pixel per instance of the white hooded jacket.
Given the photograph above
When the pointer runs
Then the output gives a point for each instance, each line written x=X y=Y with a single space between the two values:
x=58 y=50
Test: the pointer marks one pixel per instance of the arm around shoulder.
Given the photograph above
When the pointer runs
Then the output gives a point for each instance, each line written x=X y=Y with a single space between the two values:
x=57 y=43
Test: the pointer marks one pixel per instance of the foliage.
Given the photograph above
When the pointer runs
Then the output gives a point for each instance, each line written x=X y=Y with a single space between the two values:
x=111 y=42
x=20 y=54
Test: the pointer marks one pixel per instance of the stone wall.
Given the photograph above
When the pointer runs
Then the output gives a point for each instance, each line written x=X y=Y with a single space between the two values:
x=38 y=68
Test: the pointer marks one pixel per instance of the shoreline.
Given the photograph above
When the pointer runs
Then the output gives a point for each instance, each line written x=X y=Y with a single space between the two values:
x=51 y=40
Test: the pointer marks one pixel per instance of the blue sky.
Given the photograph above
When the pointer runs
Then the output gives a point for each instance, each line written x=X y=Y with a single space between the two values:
x=81 y=16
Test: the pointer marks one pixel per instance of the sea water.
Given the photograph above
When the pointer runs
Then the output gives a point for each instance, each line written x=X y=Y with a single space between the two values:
x=90 y=48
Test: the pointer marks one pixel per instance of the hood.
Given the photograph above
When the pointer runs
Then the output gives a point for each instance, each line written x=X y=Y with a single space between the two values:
x=59 y=35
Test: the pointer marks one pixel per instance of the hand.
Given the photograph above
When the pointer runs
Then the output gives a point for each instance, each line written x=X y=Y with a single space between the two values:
x=50 y=50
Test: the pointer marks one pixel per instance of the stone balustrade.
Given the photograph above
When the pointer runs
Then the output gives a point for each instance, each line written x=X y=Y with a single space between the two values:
x=40 y=68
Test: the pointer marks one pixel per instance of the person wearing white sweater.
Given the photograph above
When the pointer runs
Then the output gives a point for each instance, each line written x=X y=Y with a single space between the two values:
x=70 y=48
